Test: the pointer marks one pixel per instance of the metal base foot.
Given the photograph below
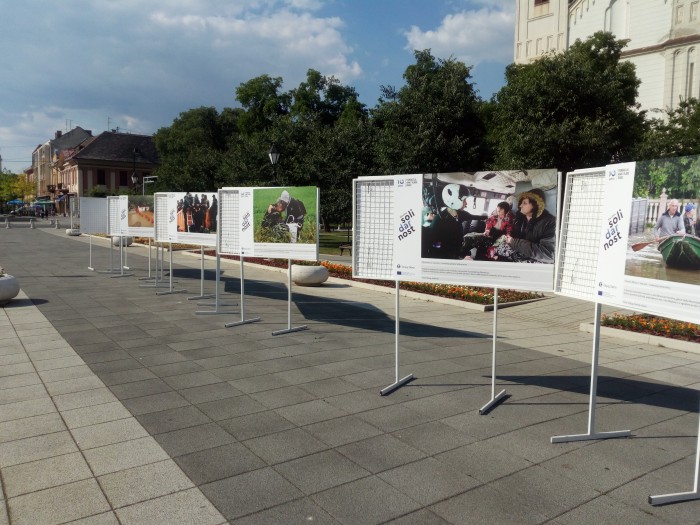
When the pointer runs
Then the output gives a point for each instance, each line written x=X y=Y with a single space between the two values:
x=197 y=297
x=290 y=330
x=389 y=389
x=674 y=498
x=167 y=292
x=500 y=397
x=590 y=437
x=238 y=323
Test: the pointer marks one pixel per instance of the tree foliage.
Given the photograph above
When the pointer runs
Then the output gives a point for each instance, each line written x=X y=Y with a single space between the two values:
x=569 y=110
x=432 y=123
x=676 y=135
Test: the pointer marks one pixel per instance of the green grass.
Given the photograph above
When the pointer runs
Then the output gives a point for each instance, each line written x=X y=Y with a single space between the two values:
x=328 y=242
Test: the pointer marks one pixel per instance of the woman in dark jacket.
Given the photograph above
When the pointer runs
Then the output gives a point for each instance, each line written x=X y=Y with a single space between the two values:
x=534 y=231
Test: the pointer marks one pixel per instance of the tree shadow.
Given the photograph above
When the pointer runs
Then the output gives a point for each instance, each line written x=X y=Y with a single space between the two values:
x=647 y=392
x=350 y=314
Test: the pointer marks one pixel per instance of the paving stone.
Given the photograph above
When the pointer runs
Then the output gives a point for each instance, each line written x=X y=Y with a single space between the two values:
x=255 y=425
x=250 y=492
x=192 y=439
x=142 y=483
x=381 y=453
x=320 y=471
x=284 y=446
x=45 y=473
x=59 y=504
x=102 y=434
x=172 y=419
x=124 y=455
x=188 y=506
x=366 y=501
x=217 y=463
x=31 y=426
x=36 y=448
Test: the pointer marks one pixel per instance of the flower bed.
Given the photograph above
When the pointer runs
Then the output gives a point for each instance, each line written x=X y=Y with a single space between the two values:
x=649 y=324
x=462 y=293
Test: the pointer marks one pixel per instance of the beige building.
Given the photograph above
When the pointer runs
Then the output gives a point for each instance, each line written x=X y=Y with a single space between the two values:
x=664 y=40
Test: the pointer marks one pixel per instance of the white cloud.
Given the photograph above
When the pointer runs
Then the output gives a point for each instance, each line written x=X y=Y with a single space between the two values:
x=470 y=36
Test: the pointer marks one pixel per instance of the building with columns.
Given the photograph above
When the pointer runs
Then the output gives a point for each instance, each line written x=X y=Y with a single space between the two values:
x=664 y=40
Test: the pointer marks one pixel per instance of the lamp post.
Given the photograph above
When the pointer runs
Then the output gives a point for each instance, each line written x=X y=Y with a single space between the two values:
x=274 y=155
x=134 y=177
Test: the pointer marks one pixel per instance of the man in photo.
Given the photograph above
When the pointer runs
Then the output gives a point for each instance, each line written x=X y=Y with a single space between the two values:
x=287 y=213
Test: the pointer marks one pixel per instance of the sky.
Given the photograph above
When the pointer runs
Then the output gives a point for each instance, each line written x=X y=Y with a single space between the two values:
x=136 y=65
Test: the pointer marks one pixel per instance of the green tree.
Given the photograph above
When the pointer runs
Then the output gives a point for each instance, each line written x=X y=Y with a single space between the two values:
x=262 y=102
x=324 y=100
x=192 y=148
x=23 y=188
x=677 y=134
x=569 y=110
x=432 y=123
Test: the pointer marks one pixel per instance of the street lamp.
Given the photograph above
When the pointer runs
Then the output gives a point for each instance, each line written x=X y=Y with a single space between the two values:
x=134 y=177
x=274 y=155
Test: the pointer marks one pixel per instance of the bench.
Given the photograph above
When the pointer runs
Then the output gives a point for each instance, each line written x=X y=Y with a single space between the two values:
x=345 y=246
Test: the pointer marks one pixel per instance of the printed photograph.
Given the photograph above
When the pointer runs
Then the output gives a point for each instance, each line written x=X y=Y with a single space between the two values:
x=499 y=216
x=197 y=212
x=664 y=236
x=141 y=214
x=285 y=215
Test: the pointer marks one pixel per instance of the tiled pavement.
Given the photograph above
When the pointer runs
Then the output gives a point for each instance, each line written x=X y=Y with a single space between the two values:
x=118 y=405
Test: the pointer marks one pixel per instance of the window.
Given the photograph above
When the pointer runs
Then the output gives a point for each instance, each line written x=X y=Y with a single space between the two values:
x=101 y=177
x=541 y=8
x=123 y=178
x=694 y=11
x=679 y=14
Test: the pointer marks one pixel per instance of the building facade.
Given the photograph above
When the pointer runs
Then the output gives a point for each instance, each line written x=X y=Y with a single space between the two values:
x=42 y=172
x=664 y=40
x=106 y=164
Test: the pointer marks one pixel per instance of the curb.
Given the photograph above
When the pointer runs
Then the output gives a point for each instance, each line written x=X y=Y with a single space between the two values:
x=653 y=340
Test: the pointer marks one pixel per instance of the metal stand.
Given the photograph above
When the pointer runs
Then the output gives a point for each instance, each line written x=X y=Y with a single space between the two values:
x=201 y=279
x=148 y=278
x=243 y=319
x=156 y=279
x=170 y=288
x=683 y=496
x=122 y=261
x=398 y=382
x=495 y=399
x=592 y=434
x=90 y=263
x=289 y=305
x=111 y=258
x=216 y=302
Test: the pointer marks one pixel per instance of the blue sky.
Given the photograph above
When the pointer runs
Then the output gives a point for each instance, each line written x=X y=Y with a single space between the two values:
x=137 y=64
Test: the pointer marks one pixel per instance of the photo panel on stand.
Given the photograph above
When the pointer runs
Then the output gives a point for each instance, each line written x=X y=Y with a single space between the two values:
x=284 y=221
x=195 y=217
x=141 y=215
x=650 y=248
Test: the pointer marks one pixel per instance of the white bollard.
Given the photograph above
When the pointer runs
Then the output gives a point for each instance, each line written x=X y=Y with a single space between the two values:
x=7 y=222
x=57 y=225
x=31 y=223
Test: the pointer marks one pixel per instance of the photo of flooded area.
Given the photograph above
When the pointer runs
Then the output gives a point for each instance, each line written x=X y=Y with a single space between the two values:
x=141 y=213
x=664 y=237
